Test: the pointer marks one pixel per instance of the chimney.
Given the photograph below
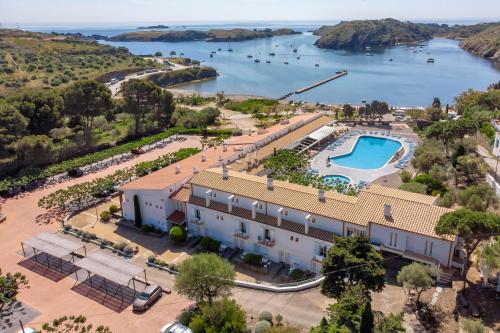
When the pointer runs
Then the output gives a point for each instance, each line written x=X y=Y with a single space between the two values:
x=306 y=226
x=321 y=195
x=254 y=210
x=225 y=173
x=207 y=197
x=388 y=211
x=270 y=184
x=230 y=203
x=177 y=169
x=203 y=157
x=280 y=211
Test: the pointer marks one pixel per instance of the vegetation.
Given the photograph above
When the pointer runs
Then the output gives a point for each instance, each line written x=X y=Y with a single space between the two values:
x=73 y=324
x=252 y=105
x=78 y=194
x=473 y=326
x=165 y=79
x=253 y=259
x=10 y=285
x=178 y=234
x=210 y=244
x=485 y=43
x=189 y=118
x=352 y=261
x=105 y=216
x=472 y=227
x=224 y=316
x=204 y=277
x=262 y=326
x=214 y=35
x=32 y=60
x=290 y=166
x=416 y=277
x=489 y=260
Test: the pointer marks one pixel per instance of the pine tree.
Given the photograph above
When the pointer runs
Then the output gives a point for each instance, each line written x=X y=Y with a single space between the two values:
x=366 y=323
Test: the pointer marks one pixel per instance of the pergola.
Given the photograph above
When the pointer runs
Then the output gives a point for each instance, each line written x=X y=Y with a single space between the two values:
x=110 y=268
x=53 y=245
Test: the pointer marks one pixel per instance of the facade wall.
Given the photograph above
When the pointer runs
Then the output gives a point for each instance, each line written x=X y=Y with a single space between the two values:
x=401 y=241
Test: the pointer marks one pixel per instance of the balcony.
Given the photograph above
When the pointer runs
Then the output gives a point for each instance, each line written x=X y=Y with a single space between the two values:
x=266 y=242
x=318 y=258
x=197 y=222
x=241 y=235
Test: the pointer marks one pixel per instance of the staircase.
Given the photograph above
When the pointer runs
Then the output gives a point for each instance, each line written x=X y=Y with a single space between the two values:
x=446 y=275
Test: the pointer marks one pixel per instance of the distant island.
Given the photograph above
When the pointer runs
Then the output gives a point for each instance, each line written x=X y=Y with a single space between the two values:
x=159 y=26
x=481 y=39
x=214 y=35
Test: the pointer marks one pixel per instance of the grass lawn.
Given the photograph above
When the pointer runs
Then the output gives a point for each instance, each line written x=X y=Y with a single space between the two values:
x=252 y=105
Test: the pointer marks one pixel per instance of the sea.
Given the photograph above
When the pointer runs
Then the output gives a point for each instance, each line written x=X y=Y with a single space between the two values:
x=401 y=75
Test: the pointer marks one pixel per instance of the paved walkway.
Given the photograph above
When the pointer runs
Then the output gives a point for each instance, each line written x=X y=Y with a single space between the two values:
x=490 y=160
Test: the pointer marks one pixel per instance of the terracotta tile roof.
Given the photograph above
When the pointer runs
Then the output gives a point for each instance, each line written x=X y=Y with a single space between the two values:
x=182 y=194
x=177 y=217
x=265 y=219
x=412 y=213
x=285 y=194
x=399 y=194
x=409 y=215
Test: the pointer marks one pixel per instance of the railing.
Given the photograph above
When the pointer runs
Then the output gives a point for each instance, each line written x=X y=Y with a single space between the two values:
x=197 y=222
x=241 y=235
x=267 y=242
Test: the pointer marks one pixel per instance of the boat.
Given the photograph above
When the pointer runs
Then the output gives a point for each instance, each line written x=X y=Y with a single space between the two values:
x=294 y=50
x=390 y=59
x=181 y=54
x=268 y=61
x=211 y=55
x=249 y=56
x=430 y=60
x=286 y=62
x=298 y=58
x=256 y=60
x=219 y=50
x=272 y=54
x=213 y=52
x=369 y=54
x=317 y=65
x=230 y=50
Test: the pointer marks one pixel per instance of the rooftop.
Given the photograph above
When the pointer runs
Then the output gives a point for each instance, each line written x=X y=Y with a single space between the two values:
x=415 y=213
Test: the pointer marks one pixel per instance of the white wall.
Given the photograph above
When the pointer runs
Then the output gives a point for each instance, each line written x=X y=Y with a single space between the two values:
x=411 y=242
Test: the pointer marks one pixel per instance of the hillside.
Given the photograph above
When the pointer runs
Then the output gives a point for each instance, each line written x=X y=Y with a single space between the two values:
x=485 y=44
x=215 y=35
x=360 y=34
x=182 y=76
x=36 y=60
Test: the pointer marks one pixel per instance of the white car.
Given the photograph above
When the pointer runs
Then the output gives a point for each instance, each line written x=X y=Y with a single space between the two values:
x=175 y=328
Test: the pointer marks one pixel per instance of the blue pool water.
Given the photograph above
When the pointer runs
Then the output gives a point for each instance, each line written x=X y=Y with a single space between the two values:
x=334 y=179
x=368 y=153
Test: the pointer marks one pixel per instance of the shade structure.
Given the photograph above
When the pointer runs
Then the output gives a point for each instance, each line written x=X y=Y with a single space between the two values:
x=53 y=245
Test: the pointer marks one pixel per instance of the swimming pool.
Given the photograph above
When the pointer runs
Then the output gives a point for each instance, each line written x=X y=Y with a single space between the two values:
x=335 y=179
x=369 y=153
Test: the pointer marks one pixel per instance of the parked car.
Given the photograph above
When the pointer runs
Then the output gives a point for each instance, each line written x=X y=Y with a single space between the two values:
x=175 y=328
x=145 y=299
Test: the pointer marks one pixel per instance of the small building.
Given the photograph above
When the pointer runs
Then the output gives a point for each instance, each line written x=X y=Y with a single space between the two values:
x=496 y=143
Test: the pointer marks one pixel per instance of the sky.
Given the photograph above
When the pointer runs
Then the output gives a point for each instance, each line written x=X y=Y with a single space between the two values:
x=104 y=12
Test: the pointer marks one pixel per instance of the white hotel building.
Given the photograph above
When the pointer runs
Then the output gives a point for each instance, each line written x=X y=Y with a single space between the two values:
x=286 y=222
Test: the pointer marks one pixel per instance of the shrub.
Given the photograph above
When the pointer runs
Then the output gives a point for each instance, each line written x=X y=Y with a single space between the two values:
x=210 y=244
x=473 y=326
x=297 y=274
x=105 y=216
x=128 y=250
x=173 y=267
x=279 y=319
x=414 y=187
x=91 y=236
x=262 y=326
x=177 y=234
x=114 y=209
x=104 y=242
x=185 y=317
x=405 y=176
x=67 y=227
x=252 y=259
x=147 y=228
x=267 y=316
x=79 y=232
x=85 y=234
x=151 y=259
x=122 y=246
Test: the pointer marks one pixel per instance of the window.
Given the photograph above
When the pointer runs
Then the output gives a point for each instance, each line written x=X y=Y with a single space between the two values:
x=286 y=213
x=323 y=249
x=243 y=227
x=296 y=239
x=291 y=238
x=197 y=214
x=267 y=234
x=222 y=218
x=260 y=206
x=432 y=244
x=313 y=220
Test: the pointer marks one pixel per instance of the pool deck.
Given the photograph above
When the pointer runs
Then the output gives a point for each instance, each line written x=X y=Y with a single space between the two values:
x=320 y=161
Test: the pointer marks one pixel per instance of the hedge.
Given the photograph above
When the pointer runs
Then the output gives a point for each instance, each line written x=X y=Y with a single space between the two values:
x=62 y=167
x=253 y=259
x=210 y=244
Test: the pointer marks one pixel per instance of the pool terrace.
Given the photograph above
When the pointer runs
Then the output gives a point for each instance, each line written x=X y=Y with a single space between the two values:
x=324 y=162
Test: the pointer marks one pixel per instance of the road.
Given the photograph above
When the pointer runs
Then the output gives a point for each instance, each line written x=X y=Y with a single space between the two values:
x=115 y=88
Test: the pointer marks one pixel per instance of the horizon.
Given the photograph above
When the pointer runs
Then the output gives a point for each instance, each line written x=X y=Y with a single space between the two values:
x=127 y=12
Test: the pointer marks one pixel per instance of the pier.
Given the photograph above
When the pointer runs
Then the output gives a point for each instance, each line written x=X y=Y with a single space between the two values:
x=317 y=84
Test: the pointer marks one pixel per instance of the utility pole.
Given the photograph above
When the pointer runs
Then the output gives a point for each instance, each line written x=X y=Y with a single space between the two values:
x=22 y=327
